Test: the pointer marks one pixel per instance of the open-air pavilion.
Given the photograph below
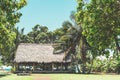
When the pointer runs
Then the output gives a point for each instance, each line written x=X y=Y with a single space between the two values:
x=40 y=58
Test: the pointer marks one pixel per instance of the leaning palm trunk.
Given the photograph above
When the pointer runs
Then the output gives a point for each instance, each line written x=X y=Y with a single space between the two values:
x=83 y=54
x=83 y=59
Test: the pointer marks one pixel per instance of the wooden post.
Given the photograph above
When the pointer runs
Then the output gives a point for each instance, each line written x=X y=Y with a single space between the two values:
x=33 y=66
x=61 y=66
x=66 y=66
x=25 y=66
x=70 y=65
x=52 y=66
x=18 y=66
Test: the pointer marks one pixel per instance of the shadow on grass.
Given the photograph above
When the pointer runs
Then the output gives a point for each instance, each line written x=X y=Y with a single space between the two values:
x=3 y=75
x=101 y=73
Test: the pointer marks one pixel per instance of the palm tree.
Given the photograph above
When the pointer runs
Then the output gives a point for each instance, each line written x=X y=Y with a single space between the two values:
x=71 y=40
x=35 y=32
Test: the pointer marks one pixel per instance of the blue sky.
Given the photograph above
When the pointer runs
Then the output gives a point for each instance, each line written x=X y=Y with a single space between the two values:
x=50 y=13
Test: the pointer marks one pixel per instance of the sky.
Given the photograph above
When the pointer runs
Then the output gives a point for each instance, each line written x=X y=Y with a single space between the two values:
x=50 y=13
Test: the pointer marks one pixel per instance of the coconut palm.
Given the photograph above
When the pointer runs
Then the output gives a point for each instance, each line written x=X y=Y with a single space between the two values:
x=73 y=39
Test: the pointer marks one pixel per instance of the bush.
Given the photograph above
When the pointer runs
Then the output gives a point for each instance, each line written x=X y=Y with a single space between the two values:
x=111 y=65
x=13 y=69
x=97 y=65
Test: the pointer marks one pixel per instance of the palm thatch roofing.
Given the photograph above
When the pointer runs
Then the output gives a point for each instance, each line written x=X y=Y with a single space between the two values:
x=27 y=52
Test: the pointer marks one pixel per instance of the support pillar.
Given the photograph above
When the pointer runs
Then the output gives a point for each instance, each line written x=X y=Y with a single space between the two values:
x=52 y=66
x=70 y=64
x=66 y=66
x=61 y=66
x=33 y=66
x=25 y=66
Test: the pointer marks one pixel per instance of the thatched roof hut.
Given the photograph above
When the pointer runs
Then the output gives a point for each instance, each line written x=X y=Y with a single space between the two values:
x=39 y=53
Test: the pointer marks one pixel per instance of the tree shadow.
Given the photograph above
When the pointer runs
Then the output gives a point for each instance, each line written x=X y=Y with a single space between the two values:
x=3 y=75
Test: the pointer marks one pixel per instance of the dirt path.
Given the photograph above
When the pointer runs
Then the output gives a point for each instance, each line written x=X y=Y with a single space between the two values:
x=41 y=78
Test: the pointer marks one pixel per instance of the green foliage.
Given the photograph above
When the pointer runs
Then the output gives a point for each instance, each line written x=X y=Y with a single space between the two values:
x=13 y=69
x=97 y=65
x=73 y=43
x=110 y=65
x=0 y=62
x=39 y=34
x=100 y=22
x=9 y=16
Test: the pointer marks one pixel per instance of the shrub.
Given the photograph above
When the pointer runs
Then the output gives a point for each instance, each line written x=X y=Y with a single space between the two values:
x=111 y=65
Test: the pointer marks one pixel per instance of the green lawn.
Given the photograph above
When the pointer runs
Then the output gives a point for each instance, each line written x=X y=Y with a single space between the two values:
x=82 y=77
x=64 y=77
x=15 y=77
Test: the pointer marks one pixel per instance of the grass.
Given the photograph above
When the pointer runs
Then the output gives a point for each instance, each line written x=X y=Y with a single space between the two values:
x=15 y=77
x=81 y=77
x=63 y=77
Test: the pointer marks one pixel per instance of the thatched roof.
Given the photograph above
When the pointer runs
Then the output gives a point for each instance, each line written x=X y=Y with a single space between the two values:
x=38 y=53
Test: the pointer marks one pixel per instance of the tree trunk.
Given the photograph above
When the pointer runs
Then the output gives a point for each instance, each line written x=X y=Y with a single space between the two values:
x=84 y=64
x=117 y=46
x=83 y=58
x=83 y=55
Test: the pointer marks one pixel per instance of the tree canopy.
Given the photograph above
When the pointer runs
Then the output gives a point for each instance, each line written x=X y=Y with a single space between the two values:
x=9 y=16
x=100 y=20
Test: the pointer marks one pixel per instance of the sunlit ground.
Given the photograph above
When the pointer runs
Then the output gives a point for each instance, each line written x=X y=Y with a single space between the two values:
x=63 y=77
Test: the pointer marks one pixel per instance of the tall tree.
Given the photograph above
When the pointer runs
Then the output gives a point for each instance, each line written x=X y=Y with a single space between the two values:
x=9 y=16
x=100 y=21
x=72 y=39
x=39 y=34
